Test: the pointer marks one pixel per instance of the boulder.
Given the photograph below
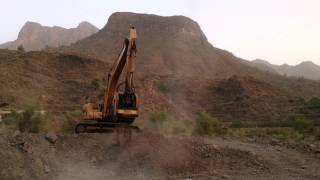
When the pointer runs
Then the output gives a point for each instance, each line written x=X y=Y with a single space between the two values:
x=51 y=137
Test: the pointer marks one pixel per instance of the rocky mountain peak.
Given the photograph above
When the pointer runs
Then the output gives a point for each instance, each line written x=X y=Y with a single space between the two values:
x=154 y=24
x=307 y=63
x=28 y=29
x=87 y=26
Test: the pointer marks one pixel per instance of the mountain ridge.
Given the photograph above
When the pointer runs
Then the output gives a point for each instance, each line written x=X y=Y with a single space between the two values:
x=34 y=36
x=306 y=69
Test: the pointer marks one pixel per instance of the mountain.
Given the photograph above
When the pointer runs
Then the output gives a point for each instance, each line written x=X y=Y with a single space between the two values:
x=263 y=65
x=34 y=36
x=172 y=45
x=305 y=69
x=177 y=71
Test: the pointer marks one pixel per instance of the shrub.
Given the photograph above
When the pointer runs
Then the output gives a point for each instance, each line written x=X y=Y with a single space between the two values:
x=255 y=132
x=69 y=121
x=96 y=83
x=301 y=124
x=318 y=135
x=162 y=87
x=207 y=125
x=27 y=121
x=98 y=87
x=158 y=119
x=20 y=48
x=285 y=134
x=239 y=124
x=314 y=103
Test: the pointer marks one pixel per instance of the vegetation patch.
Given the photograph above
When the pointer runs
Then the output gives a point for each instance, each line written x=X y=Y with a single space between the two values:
x=164 y=122
x=27 y=121
x=208 y=125
x=162 y=87
x=158 y=119
x=296 y=128
x=20 y=48
x=69 y=121
x=99 y=87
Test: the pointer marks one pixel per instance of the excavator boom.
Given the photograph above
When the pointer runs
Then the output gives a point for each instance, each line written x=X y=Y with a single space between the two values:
x=113 y=78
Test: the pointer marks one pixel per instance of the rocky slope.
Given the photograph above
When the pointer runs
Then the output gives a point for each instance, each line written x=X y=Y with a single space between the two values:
x=34 y=36
x=305 y=69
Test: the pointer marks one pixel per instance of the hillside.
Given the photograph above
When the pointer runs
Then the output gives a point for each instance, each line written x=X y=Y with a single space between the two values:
x=178 y=72
x=49 y=80
x=305 y=69
x=34 y=36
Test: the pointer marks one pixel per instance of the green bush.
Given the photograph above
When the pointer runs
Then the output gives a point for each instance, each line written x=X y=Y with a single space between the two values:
x=158 y=119
x=314 y=103
x=207 y=125
x=96 y=83
x=27 y=121
x=162 y=87
x=256 y=132
x=20 y=48
x=98 y=87
x=302 y=124
x=317 y=133
x=240 y=124
x=70 y=120
x=285 y=134
x=318 y=136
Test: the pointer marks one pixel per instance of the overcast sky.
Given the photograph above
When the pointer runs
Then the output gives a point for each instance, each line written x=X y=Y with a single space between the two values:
x=280 y=31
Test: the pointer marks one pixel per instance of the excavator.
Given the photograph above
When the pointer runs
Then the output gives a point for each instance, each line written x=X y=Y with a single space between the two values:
x=119 y=107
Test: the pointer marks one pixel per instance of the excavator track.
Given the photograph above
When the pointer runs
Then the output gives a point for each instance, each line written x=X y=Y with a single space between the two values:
x=103 y=127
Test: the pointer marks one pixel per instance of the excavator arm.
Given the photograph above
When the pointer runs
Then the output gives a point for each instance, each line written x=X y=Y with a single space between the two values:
x=116 y=103
x=113 y=78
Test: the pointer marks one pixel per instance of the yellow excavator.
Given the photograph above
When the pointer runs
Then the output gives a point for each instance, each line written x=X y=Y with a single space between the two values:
x=119 y=107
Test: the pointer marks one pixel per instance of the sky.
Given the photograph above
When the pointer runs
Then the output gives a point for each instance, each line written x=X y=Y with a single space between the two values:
x=279 y=31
